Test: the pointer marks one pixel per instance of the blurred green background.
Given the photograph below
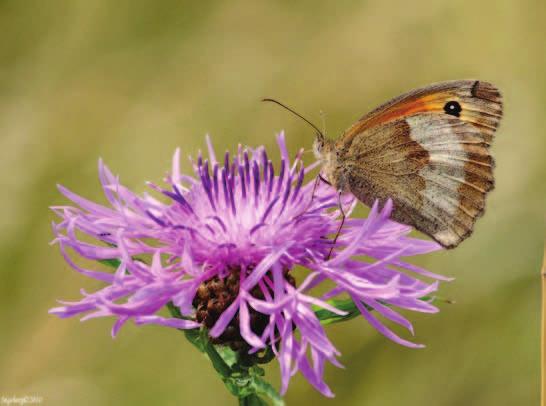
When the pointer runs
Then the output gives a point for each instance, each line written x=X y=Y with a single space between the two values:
x=129 y=81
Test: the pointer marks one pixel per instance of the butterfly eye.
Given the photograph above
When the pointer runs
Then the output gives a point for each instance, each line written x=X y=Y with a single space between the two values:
x=453 y=108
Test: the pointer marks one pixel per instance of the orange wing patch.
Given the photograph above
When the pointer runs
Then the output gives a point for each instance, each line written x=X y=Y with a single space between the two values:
x=420 y=105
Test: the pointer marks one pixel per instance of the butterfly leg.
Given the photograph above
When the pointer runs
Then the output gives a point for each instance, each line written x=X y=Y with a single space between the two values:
x=317 y=179
x=340 y=225
x=315 y=185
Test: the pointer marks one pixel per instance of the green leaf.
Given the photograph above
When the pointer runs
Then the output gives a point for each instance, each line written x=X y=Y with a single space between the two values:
x=229 y=356
x=434 y=299
x=327 y=317
x=264 y=388
x=113 y=262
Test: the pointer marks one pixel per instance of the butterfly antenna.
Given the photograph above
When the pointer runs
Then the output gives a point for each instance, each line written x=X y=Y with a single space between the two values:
x=296 y=114
x=323 y=118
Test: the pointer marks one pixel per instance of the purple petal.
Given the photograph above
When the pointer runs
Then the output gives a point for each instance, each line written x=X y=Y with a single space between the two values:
x=170 y=322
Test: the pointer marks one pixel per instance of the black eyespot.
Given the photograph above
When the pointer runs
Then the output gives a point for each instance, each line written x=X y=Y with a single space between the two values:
x=453 y=108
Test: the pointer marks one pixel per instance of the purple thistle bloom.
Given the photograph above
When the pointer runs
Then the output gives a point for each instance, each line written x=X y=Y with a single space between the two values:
x=222 y=250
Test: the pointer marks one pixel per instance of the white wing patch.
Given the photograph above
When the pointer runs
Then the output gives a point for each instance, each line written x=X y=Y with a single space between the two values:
x=454 y=193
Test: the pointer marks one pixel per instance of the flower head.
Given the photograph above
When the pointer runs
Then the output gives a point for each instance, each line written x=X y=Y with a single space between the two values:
x=223 y=248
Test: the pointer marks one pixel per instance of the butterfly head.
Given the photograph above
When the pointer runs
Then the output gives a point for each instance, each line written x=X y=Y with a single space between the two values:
x=323 y=148
x=318 y=145
x=325 y=151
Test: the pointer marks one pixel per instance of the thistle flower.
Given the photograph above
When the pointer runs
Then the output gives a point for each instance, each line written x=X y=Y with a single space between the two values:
x=223 y=250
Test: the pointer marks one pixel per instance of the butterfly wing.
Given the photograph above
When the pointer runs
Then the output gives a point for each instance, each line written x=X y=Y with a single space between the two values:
x=480 y=102
x=433 y=161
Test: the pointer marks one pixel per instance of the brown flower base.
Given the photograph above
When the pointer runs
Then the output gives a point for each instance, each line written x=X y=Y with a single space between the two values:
x=215 y=295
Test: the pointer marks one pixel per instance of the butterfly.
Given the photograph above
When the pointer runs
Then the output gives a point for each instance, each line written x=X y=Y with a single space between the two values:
x=428 y=150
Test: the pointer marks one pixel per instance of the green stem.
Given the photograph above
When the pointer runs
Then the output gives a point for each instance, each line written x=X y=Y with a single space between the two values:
x=217 y=361
x=250 y=400
x=229 y=375
x=200 y=340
